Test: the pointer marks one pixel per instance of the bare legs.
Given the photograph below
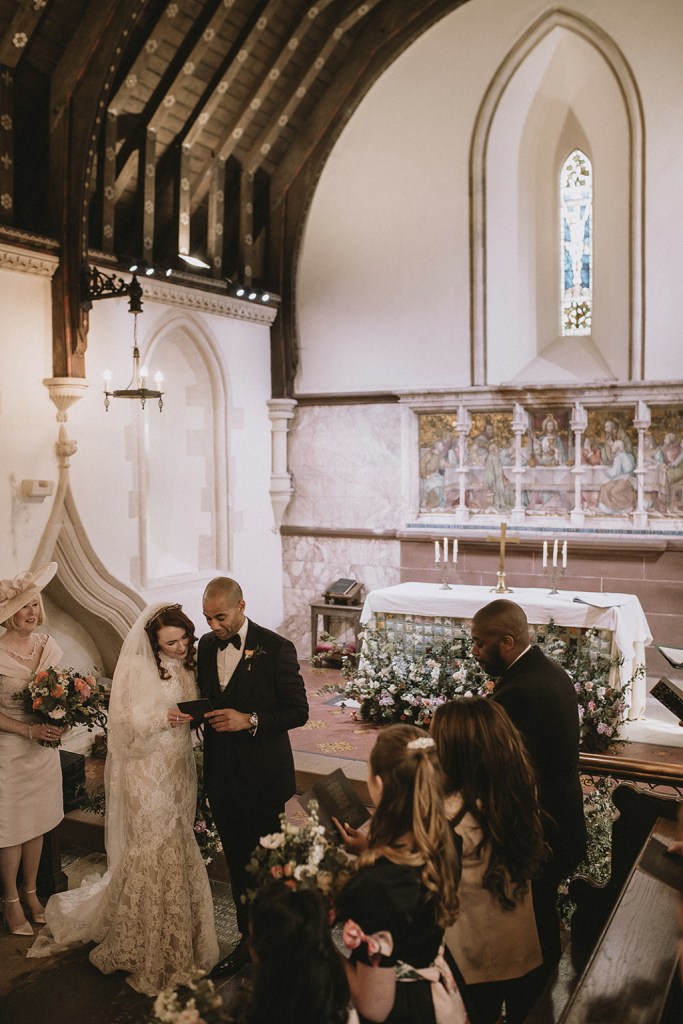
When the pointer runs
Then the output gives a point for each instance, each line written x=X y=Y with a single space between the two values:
x=26 y=855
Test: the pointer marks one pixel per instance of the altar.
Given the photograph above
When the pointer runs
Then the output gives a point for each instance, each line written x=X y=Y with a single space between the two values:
x=620 y=618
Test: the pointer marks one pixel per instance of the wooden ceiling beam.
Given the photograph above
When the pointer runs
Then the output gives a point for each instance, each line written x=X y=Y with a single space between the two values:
x=78 y=93
x=20 y=30
x=211 y=18
x=263 y=146
x=6 y=145
x=229 y=70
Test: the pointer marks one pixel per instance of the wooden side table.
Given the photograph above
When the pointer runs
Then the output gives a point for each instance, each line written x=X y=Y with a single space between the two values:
x=349 y=612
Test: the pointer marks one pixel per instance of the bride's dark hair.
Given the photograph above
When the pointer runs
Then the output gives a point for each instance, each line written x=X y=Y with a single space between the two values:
x=171 y=615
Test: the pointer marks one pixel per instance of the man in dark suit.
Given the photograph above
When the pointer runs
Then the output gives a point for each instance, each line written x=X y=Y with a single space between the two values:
x=541 y=701
x=251 y=676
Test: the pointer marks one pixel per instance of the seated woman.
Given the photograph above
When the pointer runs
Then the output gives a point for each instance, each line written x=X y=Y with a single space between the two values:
x=493 y=807
x=299 y=976
x=403 y=895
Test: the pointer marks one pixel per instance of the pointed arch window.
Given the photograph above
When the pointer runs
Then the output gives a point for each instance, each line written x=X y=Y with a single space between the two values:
x=576 y=241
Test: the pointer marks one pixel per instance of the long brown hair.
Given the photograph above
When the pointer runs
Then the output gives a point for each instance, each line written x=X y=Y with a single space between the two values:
x=484 y=760
x=171 y=615
x=412 y=804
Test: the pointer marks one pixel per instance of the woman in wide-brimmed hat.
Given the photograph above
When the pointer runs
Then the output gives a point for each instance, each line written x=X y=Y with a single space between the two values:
x=31 y=790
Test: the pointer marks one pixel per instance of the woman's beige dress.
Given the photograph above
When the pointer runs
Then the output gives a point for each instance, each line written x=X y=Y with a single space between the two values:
x=30 y=774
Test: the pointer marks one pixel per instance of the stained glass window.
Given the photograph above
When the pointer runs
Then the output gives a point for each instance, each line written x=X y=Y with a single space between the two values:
x=576 y=233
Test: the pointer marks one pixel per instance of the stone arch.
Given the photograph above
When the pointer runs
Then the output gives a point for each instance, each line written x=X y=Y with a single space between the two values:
x=198 y=348
x=617 y=63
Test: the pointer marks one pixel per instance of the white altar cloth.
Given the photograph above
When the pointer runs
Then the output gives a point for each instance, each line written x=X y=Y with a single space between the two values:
x=624 y=618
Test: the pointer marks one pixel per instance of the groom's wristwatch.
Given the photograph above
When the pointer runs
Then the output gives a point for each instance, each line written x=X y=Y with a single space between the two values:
x=253 y=723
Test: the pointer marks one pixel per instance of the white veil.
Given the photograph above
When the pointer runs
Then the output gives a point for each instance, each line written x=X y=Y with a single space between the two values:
x=137 y=715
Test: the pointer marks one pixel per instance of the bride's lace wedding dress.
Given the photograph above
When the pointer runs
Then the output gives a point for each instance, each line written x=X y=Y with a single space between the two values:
x=151 y=914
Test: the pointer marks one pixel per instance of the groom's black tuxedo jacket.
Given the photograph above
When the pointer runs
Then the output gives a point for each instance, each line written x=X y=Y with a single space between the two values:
x=539 y=697
x=241 y=770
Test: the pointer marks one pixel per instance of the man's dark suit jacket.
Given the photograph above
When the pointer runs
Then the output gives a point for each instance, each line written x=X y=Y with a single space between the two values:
x=539 y=697
x=241 y=770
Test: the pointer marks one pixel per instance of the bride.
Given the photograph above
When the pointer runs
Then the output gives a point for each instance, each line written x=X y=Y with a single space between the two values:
x=151 y=914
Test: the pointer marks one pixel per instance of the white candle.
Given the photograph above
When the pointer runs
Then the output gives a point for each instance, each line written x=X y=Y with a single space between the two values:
x=445 y=549
x=437 y=551
x=555 y=555
x=455 y=551
x=545 y=554
x=564 y=555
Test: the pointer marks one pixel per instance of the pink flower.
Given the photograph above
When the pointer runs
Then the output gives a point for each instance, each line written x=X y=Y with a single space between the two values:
x=82 y=687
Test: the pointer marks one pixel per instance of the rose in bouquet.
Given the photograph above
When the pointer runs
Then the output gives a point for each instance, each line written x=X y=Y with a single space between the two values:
x=301 y=855
x=64 y=697
x=199 y=1003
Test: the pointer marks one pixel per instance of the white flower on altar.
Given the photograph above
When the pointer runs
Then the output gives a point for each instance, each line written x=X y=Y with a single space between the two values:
x=272 y=841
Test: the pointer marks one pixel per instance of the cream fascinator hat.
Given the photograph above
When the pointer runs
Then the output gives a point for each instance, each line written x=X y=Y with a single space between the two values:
x=14 y=594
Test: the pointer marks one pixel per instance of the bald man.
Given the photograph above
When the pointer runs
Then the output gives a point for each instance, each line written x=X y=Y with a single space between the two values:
x=540 y=699
x=251 y=676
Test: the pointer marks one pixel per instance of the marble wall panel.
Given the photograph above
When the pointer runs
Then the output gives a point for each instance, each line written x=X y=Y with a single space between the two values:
x=345 y=462
x=310 y=564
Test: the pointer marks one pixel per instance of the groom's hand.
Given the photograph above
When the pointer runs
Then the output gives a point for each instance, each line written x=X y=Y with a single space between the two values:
x=228 y=720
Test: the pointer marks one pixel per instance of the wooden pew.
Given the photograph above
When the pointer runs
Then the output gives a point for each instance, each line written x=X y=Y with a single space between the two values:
x=626 y=972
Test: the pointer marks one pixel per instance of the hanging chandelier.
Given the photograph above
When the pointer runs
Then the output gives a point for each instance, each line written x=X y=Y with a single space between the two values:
x=137 y=385
x=97 y=285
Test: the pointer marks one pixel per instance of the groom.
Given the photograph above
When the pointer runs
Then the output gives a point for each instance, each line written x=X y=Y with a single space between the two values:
x=251 y=676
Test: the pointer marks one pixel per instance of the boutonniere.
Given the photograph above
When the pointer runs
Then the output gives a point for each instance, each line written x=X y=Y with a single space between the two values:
x=251 y=653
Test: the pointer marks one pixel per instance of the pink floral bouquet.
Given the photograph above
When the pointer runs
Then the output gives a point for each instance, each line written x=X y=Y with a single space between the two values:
x=64 y=697
x=302 y=856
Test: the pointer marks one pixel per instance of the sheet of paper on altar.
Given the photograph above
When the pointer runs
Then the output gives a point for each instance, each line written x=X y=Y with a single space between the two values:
x=603 y=600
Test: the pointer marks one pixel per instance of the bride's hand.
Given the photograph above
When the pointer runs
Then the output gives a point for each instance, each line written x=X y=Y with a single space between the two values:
x=176 y=718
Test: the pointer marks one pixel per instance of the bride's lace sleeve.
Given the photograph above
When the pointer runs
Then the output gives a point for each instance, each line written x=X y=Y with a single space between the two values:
x=138 y=709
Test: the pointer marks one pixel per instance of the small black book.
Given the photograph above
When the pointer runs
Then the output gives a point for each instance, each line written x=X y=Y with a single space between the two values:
x=336 y=798
x=670 y=695
x=196 y=708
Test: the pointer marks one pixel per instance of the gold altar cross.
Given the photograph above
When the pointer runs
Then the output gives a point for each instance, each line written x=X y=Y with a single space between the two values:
x=501 y=588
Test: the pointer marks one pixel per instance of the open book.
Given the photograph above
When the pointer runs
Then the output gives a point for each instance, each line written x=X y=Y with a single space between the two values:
x=674 y=655
x=336 y=798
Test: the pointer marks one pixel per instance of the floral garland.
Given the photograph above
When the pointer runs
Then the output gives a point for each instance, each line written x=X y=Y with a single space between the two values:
x=395 y=684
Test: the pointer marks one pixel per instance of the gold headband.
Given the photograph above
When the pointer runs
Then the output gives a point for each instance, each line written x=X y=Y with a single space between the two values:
x=164 y=608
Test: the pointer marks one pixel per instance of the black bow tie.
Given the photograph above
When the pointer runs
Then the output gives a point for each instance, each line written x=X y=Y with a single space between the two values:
x=234 y=640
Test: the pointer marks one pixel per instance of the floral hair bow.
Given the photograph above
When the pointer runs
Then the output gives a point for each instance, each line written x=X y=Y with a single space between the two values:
x=380 y=944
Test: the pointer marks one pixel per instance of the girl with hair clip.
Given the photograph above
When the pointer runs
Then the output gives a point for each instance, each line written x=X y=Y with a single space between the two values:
x=493 y=807
x=151 y=914
x=299 y=975
x=403 y=896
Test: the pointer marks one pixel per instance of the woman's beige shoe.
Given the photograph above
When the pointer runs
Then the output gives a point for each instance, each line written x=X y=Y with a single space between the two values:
x=22 y=929
x=38 y=918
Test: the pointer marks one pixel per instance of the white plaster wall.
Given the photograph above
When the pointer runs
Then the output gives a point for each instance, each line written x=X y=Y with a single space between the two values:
x=28 y=428
x=383 y=285
x=104 y=470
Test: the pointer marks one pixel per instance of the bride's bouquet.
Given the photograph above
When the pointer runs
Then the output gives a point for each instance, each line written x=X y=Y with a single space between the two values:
x=302 y=856
x=64 y=697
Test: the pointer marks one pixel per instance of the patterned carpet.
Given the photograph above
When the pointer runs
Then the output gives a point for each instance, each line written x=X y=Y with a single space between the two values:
x=332 y=729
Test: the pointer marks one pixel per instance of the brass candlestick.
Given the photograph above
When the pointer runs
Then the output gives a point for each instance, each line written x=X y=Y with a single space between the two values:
x=500 y=587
